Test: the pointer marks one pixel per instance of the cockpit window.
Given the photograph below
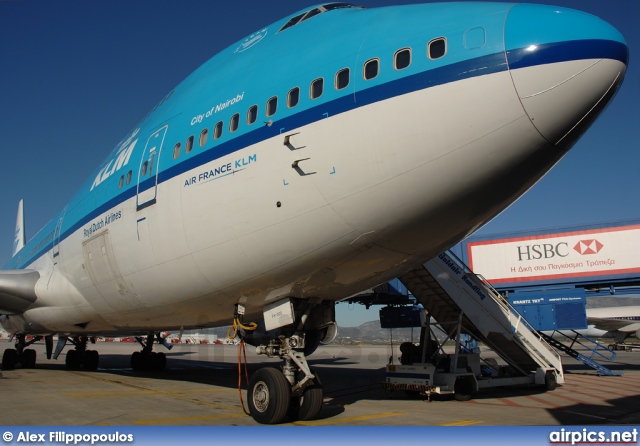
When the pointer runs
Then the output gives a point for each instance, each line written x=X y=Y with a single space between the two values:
x=292 y=22
x=332 y=6
x=314 y=12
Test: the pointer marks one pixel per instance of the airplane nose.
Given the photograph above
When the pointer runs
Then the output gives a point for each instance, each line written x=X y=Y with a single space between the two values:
x=566 y=66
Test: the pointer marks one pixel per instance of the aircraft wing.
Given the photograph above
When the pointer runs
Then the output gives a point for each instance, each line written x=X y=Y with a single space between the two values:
x=17 y=290
x=611 y=324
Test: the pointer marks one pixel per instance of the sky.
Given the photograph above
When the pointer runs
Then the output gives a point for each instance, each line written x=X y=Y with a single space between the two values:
x=77 y=76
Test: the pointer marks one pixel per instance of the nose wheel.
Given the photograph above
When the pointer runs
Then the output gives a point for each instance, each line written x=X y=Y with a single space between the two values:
x=294 y=392
x=307 y=406
x=269 y=396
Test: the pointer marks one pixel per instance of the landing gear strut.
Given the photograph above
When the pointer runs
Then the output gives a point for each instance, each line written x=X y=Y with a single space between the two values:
x=26 y=357
x=80 y=357
x=295 y=391
x=147 y=359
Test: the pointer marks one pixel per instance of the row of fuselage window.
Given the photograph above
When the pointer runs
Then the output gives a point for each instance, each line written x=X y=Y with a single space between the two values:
x=402 y=59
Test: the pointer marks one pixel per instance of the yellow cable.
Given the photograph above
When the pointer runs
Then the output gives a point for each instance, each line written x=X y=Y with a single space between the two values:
x=233 y=330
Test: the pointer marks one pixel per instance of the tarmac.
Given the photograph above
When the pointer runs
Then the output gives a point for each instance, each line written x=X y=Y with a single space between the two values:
x=200 y=387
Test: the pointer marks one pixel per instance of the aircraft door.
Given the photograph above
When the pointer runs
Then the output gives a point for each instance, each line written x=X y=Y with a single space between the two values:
x=56 y=235
x=148 y=171
x=101 y=264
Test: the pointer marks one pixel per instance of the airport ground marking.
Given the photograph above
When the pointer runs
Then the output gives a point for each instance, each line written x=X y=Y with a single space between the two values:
x=461 y=423
x=182 y=420
x=545 y=403
x=333 y=420
x=159 y=392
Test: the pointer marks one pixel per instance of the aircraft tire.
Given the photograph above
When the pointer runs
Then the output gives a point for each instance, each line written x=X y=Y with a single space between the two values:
x=91 y=360
x=269 y=396
x=73 y=360
x=463 y=389
x=159 y=361
x=29 y=358
x=307 y=406
x=9 y=359
x=136 y=361
x=550 y=382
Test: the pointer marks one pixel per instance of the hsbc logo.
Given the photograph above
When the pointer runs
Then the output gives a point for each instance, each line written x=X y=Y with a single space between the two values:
x=542 y=251
x=586 y=247
x=549 y=251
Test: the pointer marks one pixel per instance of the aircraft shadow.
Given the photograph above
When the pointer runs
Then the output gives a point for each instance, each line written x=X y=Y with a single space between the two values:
x=613 y=366
x=349 y=377
x=620 y=411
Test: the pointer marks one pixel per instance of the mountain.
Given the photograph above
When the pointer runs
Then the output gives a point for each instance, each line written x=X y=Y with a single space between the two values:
x=609 y=300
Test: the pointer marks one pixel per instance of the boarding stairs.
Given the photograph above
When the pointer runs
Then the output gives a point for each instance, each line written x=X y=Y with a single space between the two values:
x=454 y=296
x=596 y=349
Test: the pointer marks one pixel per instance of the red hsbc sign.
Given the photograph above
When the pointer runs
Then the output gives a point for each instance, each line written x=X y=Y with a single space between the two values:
x=585 y=247
x=579 y=254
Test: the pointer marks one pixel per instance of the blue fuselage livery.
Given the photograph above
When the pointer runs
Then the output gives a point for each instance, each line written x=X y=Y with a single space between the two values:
x=320 y=156
x=261 y=74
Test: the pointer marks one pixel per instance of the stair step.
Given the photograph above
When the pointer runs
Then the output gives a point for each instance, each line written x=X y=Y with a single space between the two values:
x=558 y=345
x=520 y=349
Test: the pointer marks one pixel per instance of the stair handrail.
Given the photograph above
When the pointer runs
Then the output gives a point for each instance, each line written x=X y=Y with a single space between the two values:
x=502 y=301
x=602 y=370
x=495 y=294
x=595 y=351
x=522 y=320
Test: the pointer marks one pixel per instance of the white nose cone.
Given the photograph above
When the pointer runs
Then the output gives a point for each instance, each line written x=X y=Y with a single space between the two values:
x=566 y=67
x=557 y=97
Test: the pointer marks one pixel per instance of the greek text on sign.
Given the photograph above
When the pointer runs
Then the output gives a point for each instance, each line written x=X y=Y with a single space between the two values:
x=555 y=256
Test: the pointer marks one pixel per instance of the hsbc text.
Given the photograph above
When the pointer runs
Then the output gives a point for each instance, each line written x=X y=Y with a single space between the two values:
x=543 y=251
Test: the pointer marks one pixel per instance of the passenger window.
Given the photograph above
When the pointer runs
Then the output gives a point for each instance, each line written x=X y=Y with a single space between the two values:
x=342 y=79
x=293 y=97
x=217 y=130
x=272 y=106
x=129 y=176
x=203 y=137
x=437 y=48
x=252 y=115
x=189 y=146
x=176 y=151
x=143 y=172
x=233 y=124
x=402 y=59
x=371 y=69
x=317 y=88
x=121 y=182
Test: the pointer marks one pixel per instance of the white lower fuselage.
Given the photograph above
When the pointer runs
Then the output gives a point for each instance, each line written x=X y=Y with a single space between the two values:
x=378 y=189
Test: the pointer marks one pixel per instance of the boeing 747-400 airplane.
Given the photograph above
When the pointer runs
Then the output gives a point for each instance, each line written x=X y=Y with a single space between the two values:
x=322 y=155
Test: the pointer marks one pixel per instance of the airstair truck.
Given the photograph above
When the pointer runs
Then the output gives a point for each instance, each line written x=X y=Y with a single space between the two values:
x=464 y=303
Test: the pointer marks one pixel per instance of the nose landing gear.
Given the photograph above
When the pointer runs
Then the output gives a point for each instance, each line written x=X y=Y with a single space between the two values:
x=295 y=391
